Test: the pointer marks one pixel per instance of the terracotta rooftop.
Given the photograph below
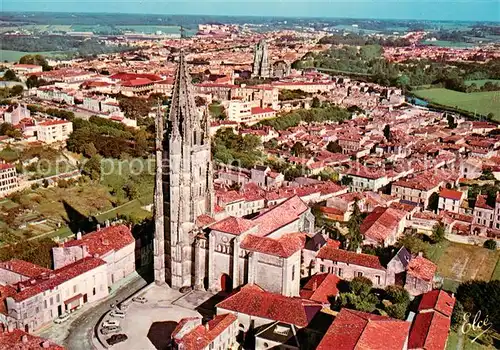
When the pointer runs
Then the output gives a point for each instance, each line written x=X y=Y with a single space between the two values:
x=104 y=241
x=353 y=330
x=321 y=287
x=437 y=300
x=450 y=194
x=329 y=252
x=279 y=216
x=233 y=225
x=429 y=331
x=48 y=281
x=23 y=268
x=380 y=223
x=253 y=300
x=20 y=340
x=422 y=268
x=200 y=337
x=283 y=247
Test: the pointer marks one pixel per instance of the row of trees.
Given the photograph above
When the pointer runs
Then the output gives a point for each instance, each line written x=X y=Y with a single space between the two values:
x=313 y=115
x=231 y=148
x=108 y=139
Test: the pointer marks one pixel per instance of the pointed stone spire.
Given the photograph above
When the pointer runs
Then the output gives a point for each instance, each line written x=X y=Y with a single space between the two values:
x=182 y=107
x=159 y=238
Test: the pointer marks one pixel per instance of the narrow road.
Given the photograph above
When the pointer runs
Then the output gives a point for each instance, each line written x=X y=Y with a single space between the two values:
x=82 y=329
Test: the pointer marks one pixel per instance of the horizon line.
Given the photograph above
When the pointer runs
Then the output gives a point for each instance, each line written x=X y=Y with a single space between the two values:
x=252 y=16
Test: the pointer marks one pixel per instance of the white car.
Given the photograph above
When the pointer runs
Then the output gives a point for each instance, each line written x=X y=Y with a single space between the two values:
x=111 y=323
x=117 y=313
x=140 y=300
x=61 y=319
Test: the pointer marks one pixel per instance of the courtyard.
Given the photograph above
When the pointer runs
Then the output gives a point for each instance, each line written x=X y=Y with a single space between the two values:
x=149 y=325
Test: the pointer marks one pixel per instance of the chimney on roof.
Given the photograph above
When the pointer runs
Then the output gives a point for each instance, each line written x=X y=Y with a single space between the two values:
x=10 y=328
x=207 y=327
x=107 y=223
x=79 y=235
x=315 y=285
x=24 y=338
x=420 y=254
x=358 y=250
x=46 y=344
x=98 y=227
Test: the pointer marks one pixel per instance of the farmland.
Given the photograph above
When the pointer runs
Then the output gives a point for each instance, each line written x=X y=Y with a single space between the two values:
x=476 y=102
x=461 y=262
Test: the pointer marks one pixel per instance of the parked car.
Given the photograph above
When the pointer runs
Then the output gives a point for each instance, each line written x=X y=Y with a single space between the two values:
x=141 y=300
x=111 y=323
x=61 y=319
x=185 y=289
x=116 y=338
x=117 y=313
x=109 y=330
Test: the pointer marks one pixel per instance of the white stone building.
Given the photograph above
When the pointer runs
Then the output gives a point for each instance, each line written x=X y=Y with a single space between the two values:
x=9 y=181
x=54 y=130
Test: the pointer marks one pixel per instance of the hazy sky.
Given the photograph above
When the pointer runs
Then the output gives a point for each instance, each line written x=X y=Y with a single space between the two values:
x=474 y=10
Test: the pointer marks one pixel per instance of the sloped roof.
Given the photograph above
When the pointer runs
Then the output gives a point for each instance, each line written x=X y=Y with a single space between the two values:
x=429 y=331
x=437 y=300
x=329 y=252
x=320 y=287
x=380 y=223
x=200 y=337
x=422 y=268
x=253 y=300
x=233 y=225
x=360 y=330
x=283 y=247
x=23 y=268
x=104 y=241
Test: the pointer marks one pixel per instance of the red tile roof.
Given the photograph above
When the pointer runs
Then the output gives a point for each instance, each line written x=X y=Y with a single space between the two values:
x=54 y=122
x=200 y=337
x=253 y=300
x=204 y=220
x=259 y=110
x=320 y=287
x=380 y=223
x=137 y=82
x=48 y=281
x=329 y=252
x=421 y=268
x=283 y=247
x=437 y=300
x=19 y=340
x=481 y=202
x=279 y=216
x=132 y=76
x=23 y=268
x=360 y=330
x=429 y=331
x=233 y=225
x=450 y=194
x=104 y=241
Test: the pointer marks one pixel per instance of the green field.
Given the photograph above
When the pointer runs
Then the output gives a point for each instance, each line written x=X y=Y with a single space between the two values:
x=476 y=102
x=480 y=83
x=462 y=262
x=10 y=56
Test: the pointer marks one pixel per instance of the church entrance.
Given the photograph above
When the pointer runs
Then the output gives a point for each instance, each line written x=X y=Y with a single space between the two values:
x=226 y=283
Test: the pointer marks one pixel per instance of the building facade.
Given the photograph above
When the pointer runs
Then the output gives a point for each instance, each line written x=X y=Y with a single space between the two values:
x=261 y=63
x=8 y=179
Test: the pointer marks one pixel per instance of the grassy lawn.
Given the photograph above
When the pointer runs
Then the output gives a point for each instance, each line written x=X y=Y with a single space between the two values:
x=476 y=102
x=480 y=83
x=460 y=262
x=467 y=344
x=496 y=272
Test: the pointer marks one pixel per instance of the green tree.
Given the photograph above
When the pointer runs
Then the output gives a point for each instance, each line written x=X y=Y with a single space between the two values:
x=433 y=202
x=359 y=296
x=38 y=60
x=397 y=311
x=387 y=132
x=346 y=181
x=490 y=244
x=10 y=75
x=16 y=90
x=360 y=285
x=334 y=147
x=298 y=149
x=354 y=234
x=92 y=167
x=131 y=190
x=438 y=232
x=315 y=102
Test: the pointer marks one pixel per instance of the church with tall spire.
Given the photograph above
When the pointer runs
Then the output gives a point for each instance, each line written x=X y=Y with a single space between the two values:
x=194 y=245
x=187 y=181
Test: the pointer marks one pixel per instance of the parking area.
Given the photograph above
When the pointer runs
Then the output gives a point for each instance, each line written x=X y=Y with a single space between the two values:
x=149 y=325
